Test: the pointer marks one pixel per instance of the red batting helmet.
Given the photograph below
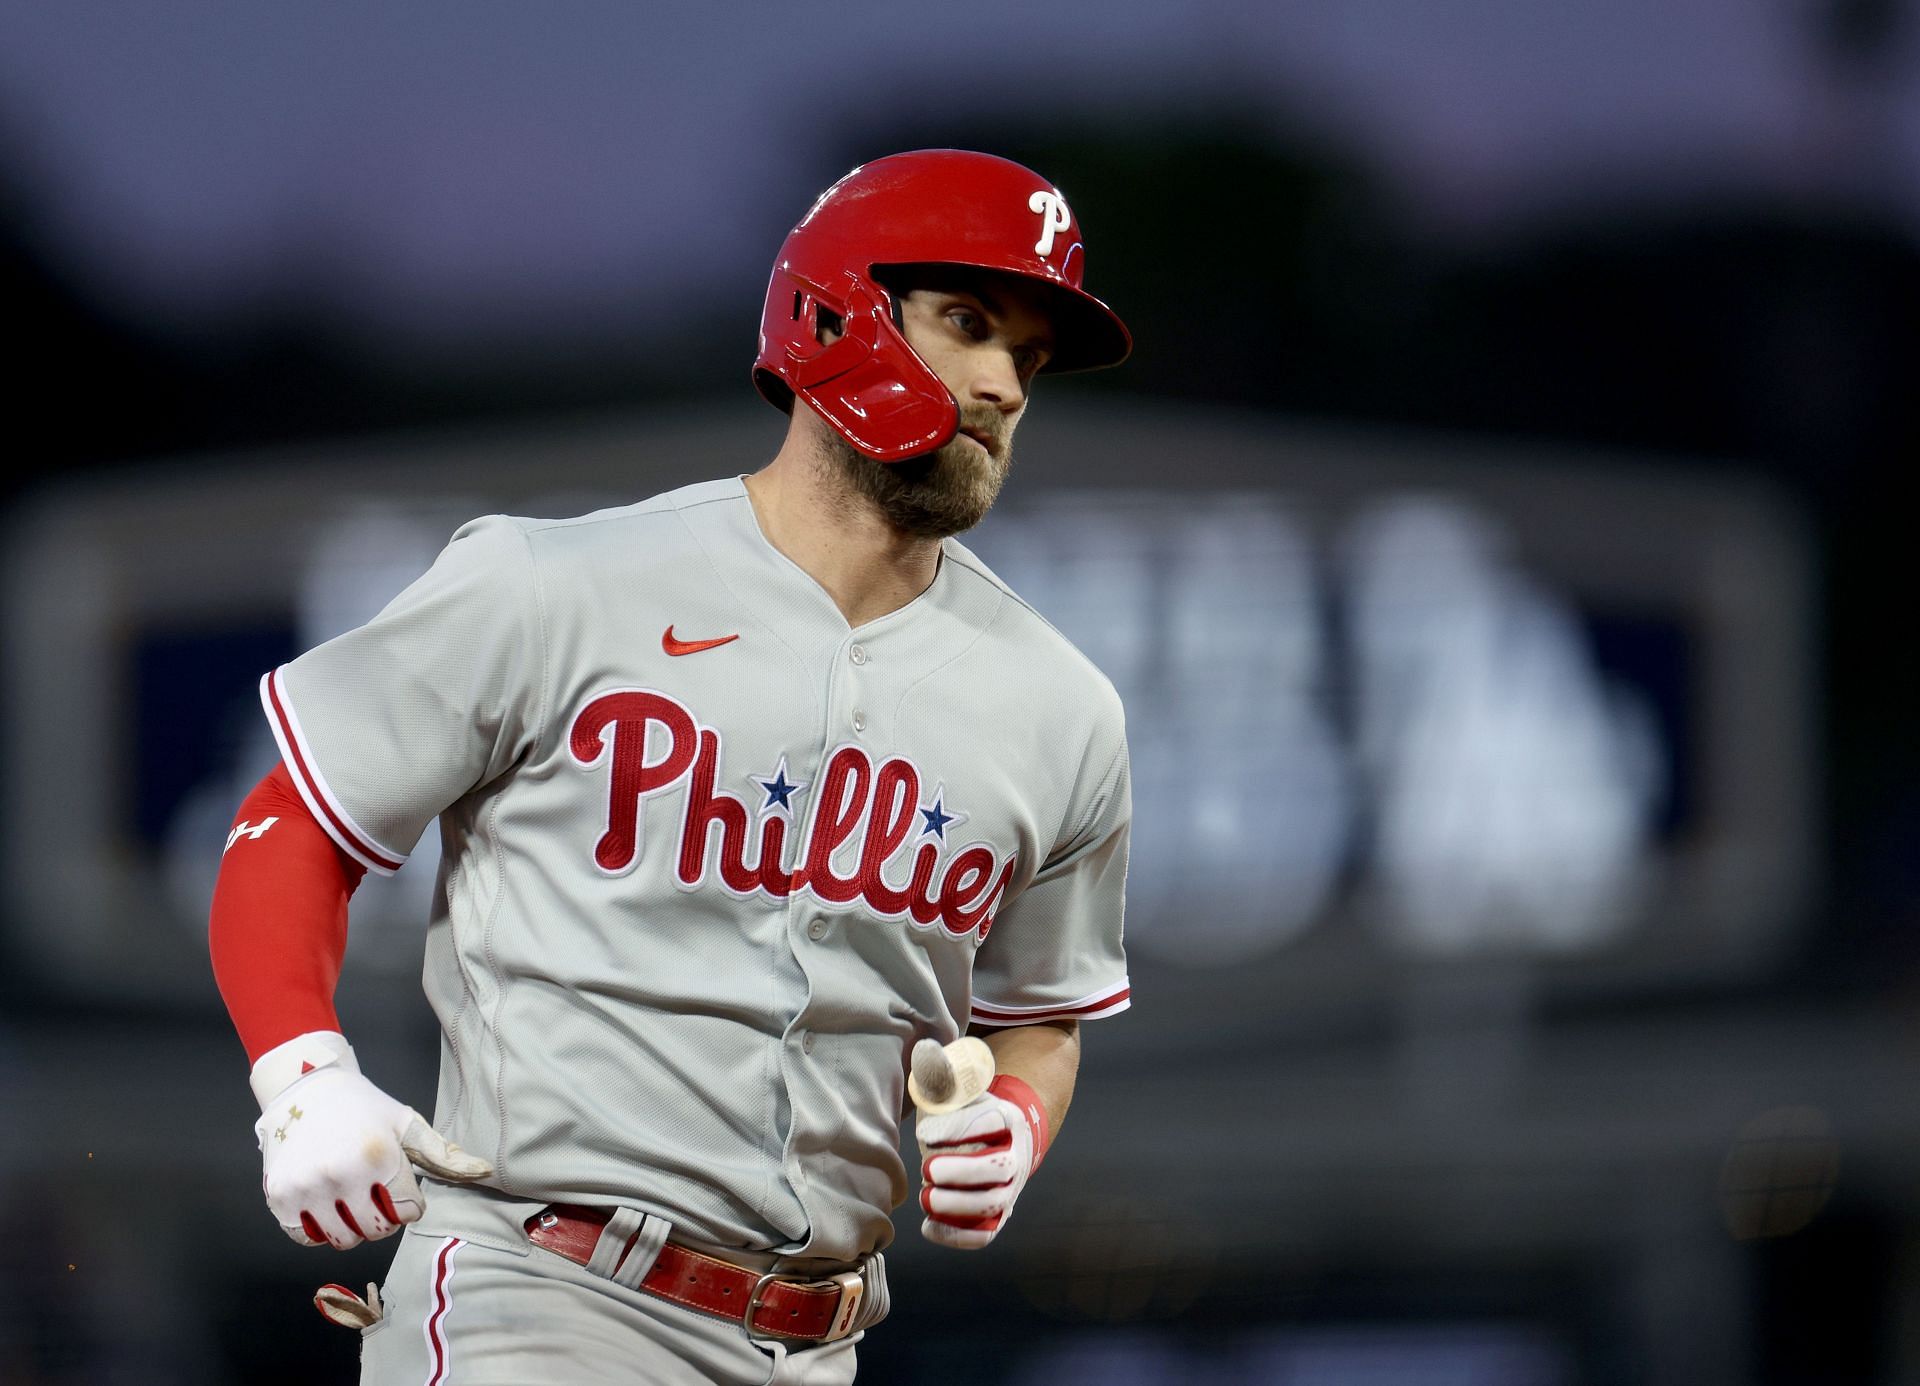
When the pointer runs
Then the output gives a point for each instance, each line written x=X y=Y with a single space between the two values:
x=932 y=206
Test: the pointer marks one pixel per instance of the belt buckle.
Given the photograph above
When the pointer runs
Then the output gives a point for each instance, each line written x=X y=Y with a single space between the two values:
x=753 y=1302
x=852 y=1286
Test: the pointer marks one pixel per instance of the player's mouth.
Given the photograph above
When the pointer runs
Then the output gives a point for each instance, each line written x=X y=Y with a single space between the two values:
x=987 y=441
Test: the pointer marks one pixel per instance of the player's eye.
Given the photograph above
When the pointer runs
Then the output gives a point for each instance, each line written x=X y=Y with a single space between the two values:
x=971 y=323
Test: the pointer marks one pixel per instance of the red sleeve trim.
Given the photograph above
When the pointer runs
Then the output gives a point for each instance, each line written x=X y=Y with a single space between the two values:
x=278 y=927
x=326 y=808
x=1095 y=1007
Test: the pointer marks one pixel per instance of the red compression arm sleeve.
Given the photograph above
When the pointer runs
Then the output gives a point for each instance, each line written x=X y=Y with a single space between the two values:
x=279 y=925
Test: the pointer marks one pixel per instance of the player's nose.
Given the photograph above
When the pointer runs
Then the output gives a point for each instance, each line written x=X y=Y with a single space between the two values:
x=996 y=381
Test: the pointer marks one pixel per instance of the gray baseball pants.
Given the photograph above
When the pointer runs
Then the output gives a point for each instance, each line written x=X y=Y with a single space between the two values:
x=469 y=1301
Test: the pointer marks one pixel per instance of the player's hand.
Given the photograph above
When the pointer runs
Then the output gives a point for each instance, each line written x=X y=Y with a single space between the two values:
x=975 y=1161
x=338 y=1157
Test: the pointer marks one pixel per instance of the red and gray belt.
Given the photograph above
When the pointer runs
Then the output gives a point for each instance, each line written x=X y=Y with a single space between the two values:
x=765 y=1304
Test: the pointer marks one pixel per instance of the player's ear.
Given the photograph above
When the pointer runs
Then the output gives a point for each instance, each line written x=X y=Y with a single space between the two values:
x=826 y=326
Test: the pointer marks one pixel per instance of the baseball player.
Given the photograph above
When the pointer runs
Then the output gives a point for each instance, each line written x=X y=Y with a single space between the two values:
x=744 y=792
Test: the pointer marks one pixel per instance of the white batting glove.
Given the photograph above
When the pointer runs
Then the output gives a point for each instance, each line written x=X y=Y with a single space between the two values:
x=975 y=1161
x=337 y=1153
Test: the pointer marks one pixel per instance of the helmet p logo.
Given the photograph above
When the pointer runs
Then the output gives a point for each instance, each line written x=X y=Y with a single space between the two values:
x=1054 y=218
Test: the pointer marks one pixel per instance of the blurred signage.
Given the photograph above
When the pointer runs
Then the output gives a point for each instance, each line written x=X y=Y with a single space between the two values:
x=1383 y=695
x=1396 y=706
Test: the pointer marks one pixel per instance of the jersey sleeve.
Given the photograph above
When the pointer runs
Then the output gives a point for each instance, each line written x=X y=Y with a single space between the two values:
x=388 y=724
x=1056 y=951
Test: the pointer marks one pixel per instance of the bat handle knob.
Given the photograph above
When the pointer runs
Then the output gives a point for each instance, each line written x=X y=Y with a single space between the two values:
x=944 y=1078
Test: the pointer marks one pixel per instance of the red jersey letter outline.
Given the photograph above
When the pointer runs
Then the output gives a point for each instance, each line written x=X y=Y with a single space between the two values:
x=859 y=806
x=617 y=723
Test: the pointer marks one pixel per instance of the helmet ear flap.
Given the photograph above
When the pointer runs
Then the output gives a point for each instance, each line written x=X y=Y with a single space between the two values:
x=872 y=387
x=810 y=361
x=813 y=319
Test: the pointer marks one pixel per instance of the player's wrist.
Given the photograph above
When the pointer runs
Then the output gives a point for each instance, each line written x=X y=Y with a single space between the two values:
x=286 y=1064
x=1032 y=1110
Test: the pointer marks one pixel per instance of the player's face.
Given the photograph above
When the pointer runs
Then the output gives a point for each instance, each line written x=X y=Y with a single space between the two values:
x=985 y=337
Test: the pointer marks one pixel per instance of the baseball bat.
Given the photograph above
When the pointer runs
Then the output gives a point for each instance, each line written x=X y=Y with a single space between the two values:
x=946 y=1077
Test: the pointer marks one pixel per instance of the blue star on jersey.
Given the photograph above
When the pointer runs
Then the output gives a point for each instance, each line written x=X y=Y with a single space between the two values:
x=938 y=819
x=779 y=789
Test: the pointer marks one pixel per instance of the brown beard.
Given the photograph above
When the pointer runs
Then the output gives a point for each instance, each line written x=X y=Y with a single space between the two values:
x=945 y=492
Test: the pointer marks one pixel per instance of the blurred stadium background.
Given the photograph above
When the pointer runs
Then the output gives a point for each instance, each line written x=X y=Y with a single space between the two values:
x=1495 y=536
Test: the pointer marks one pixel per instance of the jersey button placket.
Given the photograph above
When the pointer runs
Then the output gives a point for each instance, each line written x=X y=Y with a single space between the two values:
x=857 y=655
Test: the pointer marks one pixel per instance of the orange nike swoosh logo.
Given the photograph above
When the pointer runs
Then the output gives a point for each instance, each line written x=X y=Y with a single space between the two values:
x=686 y=647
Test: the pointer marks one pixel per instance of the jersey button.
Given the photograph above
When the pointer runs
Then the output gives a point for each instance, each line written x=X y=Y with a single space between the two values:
x=859 y=720
x=806 y=1043
x=817 y=930
x=858 y=654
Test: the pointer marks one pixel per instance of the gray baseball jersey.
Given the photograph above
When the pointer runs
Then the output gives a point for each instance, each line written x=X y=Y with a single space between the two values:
x=712 y=861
